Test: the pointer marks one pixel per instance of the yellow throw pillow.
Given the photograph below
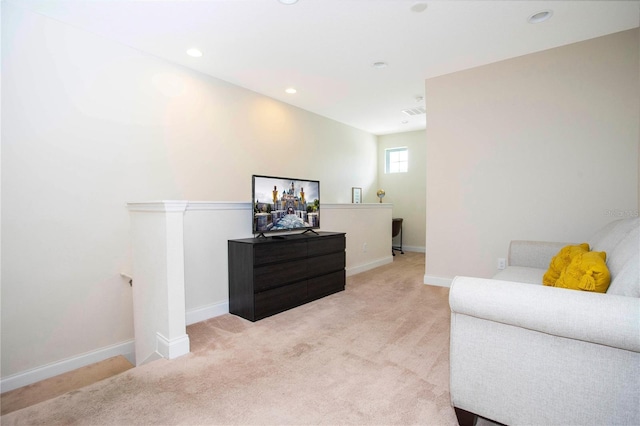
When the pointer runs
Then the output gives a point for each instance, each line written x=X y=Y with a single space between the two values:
x=560 y=261
x=587 y=271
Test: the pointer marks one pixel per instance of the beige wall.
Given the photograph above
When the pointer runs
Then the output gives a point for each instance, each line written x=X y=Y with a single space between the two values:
x=89 y=125
x=543 y=146
x=406 y=191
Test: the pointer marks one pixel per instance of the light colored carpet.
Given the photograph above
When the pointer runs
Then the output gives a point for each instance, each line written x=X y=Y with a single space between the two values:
x=377 y=353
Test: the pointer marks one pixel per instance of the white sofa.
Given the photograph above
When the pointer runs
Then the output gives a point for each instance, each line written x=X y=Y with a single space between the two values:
x=524 y=354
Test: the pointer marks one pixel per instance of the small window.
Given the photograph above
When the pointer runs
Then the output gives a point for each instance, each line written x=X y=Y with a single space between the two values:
x=397 y=160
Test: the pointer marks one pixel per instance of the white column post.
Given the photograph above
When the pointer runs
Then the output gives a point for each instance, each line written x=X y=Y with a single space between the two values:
x=158 y=280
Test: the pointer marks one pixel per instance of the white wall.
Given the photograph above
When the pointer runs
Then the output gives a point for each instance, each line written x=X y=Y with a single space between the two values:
x=406 y=191
x=540 y=147
x=89 y=125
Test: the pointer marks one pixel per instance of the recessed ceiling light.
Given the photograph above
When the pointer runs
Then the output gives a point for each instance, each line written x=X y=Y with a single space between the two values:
x=196 y=53
x=539 y=17
x=419 y=7
x=290 y=90
x=379 y=64
x=288 y=1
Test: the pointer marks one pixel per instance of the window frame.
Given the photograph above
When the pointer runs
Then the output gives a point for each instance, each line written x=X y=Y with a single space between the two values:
x=388 y=152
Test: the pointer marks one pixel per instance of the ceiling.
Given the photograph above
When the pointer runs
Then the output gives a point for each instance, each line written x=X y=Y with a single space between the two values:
x=326 y=48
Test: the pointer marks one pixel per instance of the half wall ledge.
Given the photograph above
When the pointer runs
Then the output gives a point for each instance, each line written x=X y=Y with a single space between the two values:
x=172 y=238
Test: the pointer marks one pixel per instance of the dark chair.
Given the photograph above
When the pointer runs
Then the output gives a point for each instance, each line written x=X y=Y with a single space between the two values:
x=396 y=229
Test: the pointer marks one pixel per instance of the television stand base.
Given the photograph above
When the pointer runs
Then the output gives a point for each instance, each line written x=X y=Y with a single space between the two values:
x=310 y=230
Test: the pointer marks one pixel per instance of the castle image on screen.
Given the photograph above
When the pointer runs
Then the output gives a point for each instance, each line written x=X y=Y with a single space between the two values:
x=283 y=204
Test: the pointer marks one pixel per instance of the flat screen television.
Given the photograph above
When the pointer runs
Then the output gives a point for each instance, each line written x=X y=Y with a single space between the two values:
x=284 y=204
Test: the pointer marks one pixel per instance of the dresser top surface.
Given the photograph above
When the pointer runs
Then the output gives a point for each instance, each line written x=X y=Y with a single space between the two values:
x=288 y=237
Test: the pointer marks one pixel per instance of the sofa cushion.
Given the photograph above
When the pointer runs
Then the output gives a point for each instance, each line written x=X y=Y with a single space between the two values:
x=587 y=271
x=560 y=261
x=625 y=250
x=627 y=280
x=623 y=264
x=610 y=235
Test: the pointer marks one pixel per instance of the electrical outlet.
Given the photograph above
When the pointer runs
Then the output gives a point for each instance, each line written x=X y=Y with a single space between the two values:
x=502 y=263
x=364 y=247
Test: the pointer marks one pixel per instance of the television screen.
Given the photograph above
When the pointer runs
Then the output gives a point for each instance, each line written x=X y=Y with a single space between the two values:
x=285 y=204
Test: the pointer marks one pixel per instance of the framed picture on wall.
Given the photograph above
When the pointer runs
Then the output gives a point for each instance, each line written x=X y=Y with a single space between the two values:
x=356 y=195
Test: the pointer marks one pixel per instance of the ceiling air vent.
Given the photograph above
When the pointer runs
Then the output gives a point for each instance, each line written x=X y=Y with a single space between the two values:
x=414 y=111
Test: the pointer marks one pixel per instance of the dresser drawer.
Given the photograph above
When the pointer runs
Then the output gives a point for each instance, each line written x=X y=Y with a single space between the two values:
x=279 y=299
x=321 y=265
x=326 y=284
x=269 y=253
x=277 y=274
x=325 y=245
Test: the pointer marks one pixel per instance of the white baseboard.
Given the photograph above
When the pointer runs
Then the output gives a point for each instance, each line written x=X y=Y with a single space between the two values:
x=437 y=281
x=414 y=249
x=367 y=266
x=172 y=348
x=18 y=380
x=205 y=312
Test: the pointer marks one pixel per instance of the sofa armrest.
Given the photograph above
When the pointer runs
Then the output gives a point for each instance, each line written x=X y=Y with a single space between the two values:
x=591 y=317
x=533 y=254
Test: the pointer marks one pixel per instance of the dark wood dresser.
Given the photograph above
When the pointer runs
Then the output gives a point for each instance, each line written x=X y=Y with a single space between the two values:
x=270 y=275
